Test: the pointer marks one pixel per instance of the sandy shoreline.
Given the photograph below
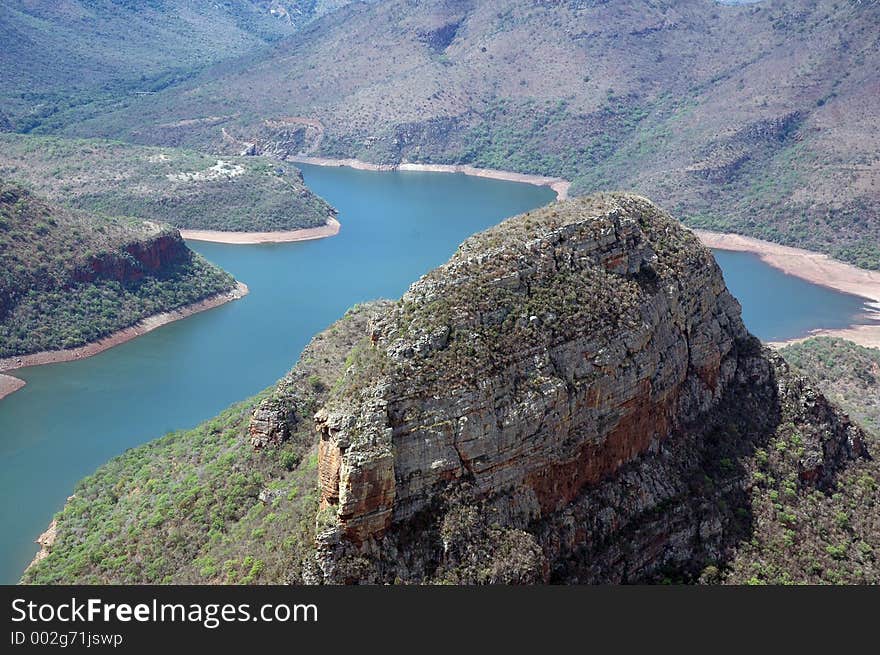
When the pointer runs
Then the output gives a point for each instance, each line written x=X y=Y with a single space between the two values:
x=815 y=268
x=242 y=238
x=9 y=384
x=559 y=185
x=864 y=335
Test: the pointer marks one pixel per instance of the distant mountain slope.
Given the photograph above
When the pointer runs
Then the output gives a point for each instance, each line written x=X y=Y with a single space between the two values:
x=758 y=118
x=79 y=51
x=186 y=189
x=68 y=278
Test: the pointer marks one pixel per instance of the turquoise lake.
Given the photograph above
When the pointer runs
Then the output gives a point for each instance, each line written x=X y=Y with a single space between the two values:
x=72 y=417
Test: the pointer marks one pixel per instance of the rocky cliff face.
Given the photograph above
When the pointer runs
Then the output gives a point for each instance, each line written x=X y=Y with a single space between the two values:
x=572 y=397
x=158 y=254
x=69 y=277
x=148 y=256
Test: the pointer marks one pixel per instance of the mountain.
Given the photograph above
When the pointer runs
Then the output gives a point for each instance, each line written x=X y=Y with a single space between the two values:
x=88 y=51
x=757 y=118
x=68 y=278
x=183 y=188
x=571 y=398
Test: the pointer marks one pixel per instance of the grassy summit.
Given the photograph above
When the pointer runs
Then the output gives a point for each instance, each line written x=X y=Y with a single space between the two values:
x=186 y=189
x=68 y=278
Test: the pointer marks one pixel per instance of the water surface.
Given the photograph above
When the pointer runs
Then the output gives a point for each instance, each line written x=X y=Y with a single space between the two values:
x=777 y=306
x=72 y=417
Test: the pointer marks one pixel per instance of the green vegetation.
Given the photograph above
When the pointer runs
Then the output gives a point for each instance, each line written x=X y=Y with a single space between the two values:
x=806 y=535
x=188 y=508
x=68 y=278
x=801 y=534
x=847 y=373
x=203 y=505
x=180 y=187
x=529 y=137
x=83 y=313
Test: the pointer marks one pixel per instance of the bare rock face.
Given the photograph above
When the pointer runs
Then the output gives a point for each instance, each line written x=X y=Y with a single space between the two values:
x=570 y=398
x=269 y=425
x=135 y=260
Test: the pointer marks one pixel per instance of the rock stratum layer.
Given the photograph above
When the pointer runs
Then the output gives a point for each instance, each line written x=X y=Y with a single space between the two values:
x=550 y=389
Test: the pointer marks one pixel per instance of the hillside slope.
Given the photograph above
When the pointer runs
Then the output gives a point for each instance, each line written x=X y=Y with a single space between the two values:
x=847 y=373
x=68 y=278
x=85 y=51
x=757 y=119
x=571 y=398
x=185 y=189
x=823 y=533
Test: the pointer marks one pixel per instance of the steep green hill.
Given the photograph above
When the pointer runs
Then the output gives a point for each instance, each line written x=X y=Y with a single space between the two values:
x=758 y=118
x=847 y=373
x=170 y=185
x=68 y=278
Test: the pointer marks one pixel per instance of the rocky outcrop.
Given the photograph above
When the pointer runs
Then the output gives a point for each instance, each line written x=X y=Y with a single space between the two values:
x=548 y=405
x=722 y=164
x=294 y=400
x=135 y=260
x=46 y=540
x=270 y=425
x=724 y=160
